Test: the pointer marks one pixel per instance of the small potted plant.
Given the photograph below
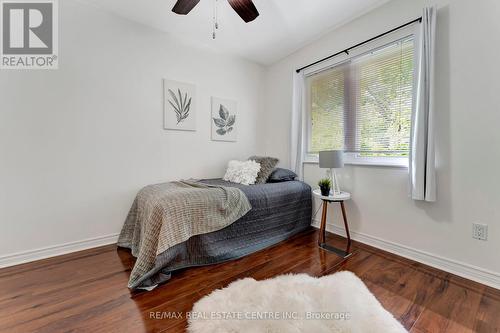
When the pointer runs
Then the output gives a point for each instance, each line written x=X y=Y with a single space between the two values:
x=325 y=185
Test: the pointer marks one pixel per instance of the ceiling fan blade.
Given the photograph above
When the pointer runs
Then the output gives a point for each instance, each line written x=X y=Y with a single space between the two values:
x=245 y=9
x=183 y=7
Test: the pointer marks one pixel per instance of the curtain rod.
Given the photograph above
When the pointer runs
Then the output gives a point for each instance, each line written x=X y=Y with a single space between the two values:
x=346 y=51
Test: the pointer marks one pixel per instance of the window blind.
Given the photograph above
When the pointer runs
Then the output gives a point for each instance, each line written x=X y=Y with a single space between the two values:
x=364 y=105
x=327 y=105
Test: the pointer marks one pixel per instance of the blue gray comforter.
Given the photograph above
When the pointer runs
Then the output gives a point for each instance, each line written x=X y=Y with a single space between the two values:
x=279 y=210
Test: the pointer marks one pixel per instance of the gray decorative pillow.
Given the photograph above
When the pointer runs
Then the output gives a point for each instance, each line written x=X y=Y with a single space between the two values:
x=281 y=175
x=267 y=165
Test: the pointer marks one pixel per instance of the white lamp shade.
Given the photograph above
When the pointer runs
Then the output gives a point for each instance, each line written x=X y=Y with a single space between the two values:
x=331 y=159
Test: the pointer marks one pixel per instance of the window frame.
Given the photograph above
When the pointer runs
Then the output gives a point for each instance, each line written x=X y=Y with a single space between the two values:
x=355 y=158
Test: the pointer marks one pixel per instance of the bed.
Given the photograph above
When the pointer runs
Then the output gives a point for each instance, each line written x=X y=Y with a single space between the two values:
x=279 y=211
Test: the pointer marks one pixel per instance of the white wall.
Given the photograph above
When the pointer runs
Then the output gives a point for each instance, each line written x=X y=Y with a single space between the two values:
x=468 y=138
x=77 y=143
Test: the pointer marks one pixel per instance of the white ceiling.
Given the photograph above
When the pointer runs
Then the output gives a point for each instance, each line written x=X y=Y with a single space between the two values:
x=283 y=27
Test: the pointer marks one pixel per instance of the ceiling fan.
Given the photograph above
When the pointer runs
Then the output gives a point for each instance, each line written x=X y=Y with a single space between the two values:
x=244 y=8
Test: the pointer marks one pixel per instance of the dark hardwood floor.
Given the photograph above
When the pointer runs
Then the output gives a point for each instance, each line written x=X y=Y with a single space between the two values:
x=86 y=291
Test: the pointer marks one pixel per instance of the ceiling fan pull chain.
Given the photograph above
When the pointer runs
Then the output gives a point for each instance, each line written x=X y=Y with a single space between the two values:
x=215 y=22
x=216 y=14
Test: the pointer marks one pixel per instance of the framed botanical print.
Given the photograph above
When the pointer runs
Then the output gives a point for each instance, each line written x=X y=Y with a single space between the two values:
x=224 y=120
x=179 y=106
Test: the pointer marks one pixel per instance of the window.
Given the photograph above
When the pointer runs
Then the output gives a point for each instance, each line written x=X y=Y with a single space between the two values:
x=363 y=105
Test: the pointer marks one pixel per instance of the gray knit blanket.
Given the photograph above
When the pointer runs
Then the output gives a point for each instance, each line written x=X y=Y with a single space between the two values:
x=164 y=215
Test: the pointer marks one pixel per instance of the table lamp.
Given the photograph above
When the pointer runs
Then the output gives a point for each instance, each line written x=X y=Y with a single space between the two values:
x=332 y=159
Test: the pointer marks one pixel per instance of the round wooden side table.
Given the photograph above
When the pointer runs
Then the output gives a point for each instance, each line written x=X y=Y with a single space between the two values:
x=340 y=198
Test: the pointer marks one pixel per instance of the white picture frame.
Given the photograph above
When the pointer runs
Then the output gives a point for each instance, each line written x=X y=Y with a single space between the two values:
x=224 y=120
x=179 y=106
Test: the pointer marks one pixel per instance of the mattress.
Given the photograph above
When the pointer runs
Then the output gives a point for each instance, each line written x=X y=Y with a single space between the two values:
x=279 y=211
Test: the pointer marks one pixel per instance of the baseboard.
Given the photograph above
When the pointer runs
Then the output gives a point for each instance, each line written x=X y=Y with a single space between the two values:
x=467 y=271
x=52 y=251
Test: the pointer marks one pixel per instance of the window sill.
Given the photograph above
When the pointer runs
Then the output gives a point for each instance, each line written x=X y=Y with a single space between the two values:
x=382 y=162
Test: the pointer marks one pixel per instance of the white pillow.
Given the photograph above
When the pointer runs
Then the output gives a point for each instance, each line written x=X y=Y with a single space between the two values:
x=242 y=172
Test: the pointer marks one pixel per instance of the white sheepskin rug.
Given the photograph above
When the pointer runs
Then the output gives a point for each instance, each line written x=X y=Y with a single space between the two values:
x=293 y=303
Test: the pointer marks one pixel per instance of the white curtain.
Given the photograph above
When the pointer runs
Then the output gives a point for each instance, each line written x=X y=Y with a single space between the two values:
x=422 y=152
x=297 y=134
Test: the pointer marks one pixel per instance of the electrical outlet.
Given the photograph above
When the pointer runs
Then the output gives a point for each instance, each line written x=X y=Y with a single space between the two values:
x=480 y=231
